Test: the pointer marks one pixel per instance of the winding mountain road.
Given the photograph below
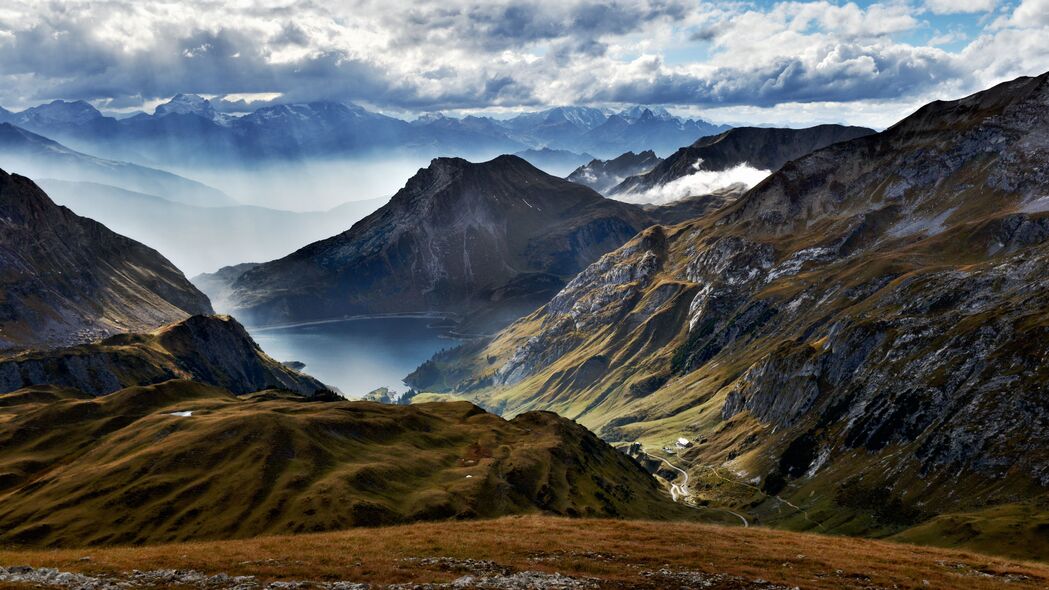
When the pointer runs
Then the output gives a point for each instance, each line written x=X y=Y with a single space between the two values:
x=680 y=490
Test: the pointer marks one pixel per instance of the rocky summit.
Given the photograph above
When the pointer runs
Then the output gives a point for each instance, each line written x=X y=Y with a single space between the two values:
x=763 y=148
x=214 y=350
x=490 y=241
x=603 y=175
x=851 y=346
x=66 y=279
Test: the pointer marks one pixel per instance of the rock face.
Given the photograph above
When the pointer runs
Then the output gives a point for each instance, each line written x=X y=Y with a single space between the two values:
x=759 y=147
x=602 y=175
x=181 y=461
x=67 y=279
x=213 y=350
x=492 y=240
x=859 y=333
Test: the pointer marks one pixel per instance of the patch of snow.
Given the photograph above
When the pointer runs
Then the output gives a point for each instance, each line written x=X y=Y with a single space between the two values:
x=1036 y=206
x=922 y=225
x=182 y=414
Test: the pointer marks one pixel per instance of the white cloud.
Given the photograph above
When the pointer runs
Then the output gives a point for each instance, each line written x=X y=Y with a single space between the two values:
x=701 y=182
x=959 y=6
x=814 y=59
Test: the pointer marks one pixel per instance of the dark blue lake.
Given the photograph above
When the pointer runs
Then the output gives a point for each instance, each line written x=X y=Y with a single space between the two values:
x=357 y=355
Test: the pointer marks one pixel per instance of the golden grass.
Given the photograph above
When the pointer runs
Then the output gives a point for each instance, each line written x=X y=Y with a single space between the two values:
x=615 y=551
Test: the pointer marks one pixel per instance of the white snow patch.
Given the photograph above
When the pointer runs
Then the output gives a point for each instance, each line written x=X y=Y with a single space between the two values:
x=182 y=414
x=922 y=225
x=701 y=182
x=1036 y=206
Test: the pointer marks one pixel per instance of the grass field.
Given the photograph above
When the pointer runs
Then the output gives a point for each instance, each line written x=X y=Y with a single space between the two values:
x=612 y=553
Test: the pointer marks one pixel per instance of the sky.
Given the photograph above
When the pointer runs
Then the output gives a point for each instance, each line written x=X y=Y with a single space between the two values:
x=767 y=62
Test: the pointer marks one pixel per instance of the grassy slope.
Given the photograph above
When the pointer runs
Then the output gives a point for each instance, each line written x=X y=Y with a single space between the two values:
x=616 y=552
x=122 y=469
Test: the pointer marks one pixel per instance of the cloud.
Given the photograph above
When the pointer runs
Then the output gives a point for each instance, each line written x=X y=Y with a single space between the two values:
x=508 y=54
x=959 y=6
x=701 y=182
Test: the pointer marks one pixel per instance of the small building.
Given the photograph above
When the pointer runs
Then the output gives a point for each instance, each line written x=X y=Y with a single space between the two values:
x=683 y=443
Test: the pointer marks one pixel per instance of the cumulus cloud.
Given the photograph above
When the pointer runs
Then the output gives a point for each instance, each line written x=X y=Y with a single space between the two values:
x=959 y=6
x=505 y=54
x=701 y=182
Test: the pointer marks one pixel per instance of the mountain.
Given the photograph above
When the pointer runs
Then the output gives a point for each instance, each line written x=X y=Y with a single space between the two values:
x=189 y=104
x=556 y=162
x=67 y=279
x=59 y=115
x=490 y=241
x=211 y=350
x=187 y=131
x=181 y=461
x=199 y=239
x=36 y=156
x=602 y=175
x=647 y=131
x=856 y=338
x=763 y=148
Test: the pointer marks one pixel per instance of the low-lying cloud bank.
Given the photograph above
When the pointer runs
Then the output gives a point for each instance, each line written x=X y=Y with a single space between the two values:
x=701 y=182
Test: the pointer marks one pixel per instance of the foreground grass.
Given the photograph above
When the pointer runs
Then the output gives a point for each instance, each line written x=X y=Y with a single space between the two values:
x=616 y=552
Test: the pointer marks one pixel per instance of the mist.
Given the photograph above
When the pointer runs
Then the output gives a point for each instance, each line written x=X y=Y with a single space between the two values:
x=701 y=182
x=311 y=185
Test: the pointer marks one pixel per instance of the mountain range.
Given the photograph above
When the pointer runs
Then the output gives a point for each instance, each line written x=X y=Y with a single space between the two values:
x=850 y=346
x=188 y=131
x=39 y=157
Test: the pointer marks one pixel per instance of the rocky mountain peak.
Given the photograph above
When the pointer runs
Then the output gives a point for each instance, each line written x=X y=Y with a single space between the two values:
x=67 y=279
x=61 y=112
x=186 y=104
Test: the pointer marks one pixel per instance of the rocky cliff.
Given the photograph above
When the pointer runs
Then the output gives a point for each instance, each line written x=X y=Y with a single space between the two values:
x=67 y=279
x=763 y=148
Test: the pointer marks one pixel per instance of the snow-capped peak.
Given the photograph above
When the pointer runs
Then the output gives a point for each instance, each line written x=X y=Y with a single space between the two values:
x=186 y=104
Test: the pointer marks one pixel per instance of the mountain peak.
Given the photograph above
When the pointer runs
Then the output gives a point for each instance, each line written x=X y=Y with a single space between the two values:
x=186 y=104
x=62 y=112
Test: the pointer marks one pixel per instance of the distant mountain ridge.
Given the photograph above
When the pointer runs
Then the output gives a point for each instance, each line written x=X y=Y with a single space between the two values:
x=603 y=175
x=37 y=156
x=187 y=130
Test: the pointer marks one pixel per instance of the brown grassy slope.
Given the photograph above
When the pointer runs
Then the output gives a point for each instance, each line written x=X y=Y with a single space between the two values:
x=616 y=552
x=122 y=469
